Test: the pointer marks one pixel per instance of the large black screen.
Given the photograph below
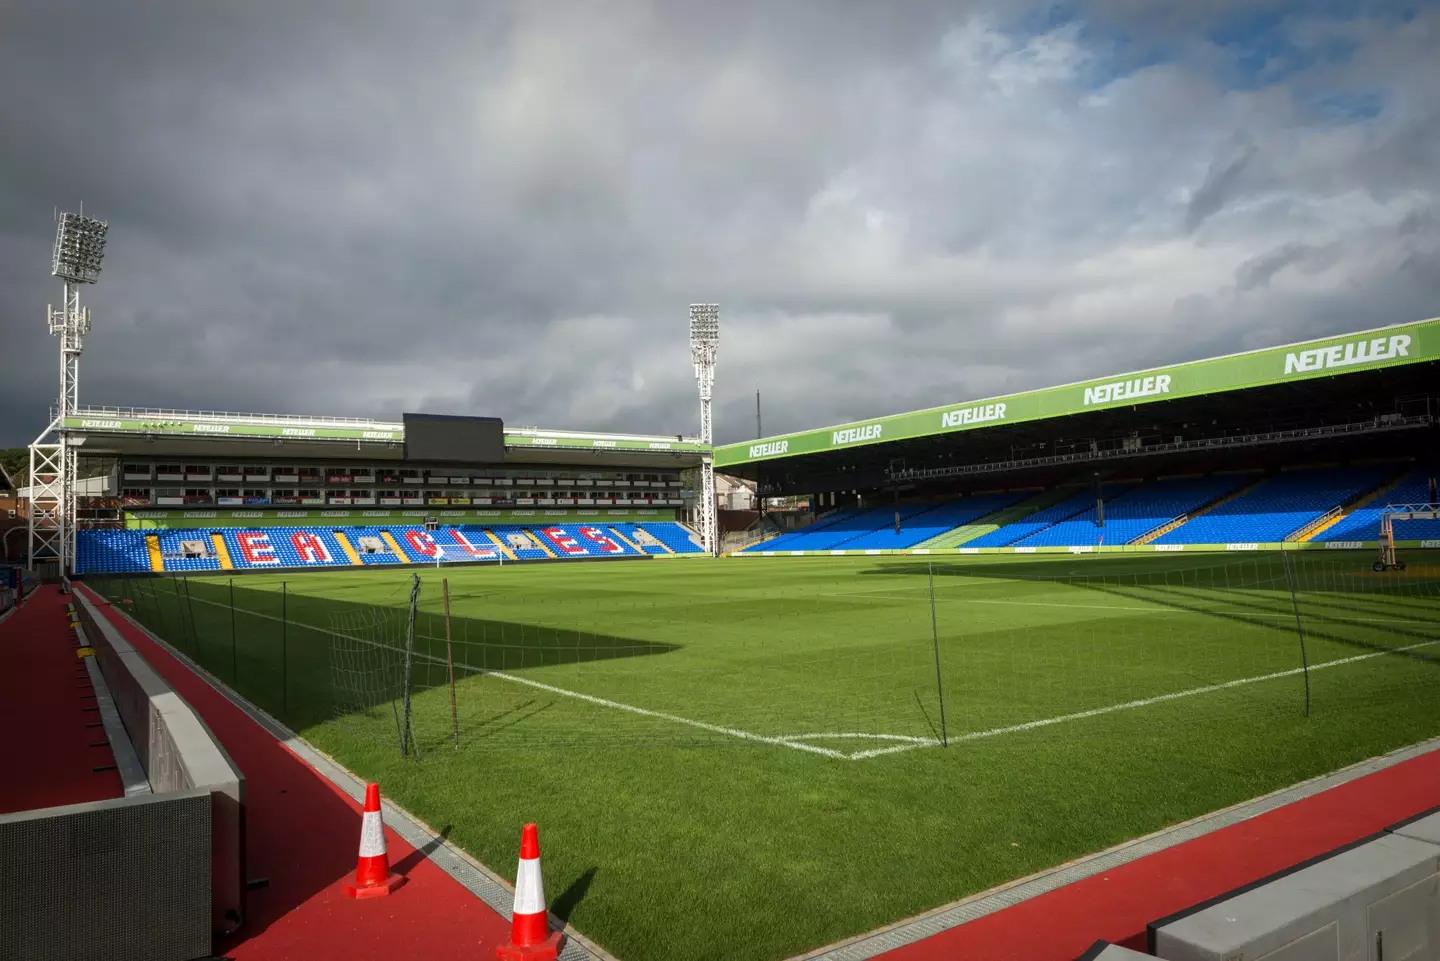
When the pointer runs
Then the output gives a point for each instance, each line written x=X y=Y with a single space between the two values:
x=441 y=437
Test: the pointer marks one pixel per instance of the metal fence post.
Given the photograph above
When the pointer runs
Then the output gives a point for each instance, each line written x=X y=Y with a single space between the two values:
x=1299 y=624
x=284 y=651
x=935 y=637
x=234 y=672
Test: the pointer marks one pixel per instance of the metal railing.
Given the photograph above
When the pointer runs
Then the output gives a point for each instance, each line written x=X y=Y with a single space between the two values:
x=1372 y=426
x=1315 y=524
x=232 y=417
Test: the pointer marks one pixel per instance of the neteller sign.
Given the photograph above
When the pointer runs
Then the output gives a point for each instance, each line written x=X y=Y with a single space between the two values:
x=1348 y=354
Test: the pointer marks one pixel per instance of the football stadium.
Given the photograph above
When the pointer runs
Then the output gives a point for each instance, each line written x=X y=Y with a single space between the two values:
x=1002 y=635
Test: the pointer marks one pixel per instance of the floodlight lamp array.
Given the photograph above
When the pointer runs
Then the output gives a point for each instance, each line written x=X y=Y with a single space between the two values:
x=704 y=325
x=79 y=248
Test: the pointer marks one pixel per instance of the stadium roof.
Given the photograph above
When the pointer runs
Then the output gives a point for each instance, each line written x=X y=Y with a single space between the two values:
x=1328 y=358
x=150 y=431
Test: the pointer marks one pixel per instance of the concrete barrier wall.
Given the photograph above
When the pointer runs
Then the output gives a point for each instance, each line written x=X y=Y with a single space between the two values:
x=178 y=754
x=1374 y=900
x=126 y=879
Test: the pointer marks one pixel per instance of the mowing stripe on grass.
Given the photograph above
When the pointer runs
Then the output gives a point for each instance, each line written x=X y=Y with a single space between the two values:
x=1176 y=695
x=795 y=740
x=577 y=695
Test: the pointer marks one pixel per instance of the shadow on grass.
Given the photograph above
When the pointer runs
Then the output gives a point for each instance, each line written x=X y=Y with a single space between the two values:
x=1234 y=583
x=564 y=906
x=307 y=659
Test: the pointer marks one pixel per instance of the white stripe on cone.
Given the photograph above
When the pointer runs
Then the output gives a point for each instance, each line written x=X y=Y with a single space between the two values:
x=529 y=888
x=372 y=835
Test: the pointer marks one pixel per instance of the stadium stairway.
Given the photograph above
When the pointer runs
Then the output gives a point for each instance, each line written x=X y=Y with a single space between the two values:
x=628 y=542
x=1130 y=514
x=824 y=523
x=1275 y=509
x=619 y=533
x=1071 y=507
x=504 y=548
x=847 y=526
x=993 y=521
x=538 y=539
x=1320 y=525
x=1175 y=522
x=152 y=547
x=372 y=559
x=348 y=549
x=926 y=524
x=395 y=547
x=222 y=553
x=1363 y=522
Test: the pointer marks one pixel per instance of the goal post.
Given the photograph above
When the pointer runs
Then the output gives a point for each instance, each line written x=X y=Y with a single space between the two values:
x=1387 y=560
x=467 y=554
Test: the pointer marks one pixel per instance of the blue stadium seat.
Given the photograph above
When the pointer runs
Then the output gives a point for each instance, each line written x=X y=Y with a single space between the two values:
x=835 y=531
x=1278 y=507
x=673 y=535
x=1074 y=506
x=280 y=547
x=174 y=562
x=1134 y=513
x=787 y=542
x=1364 y=524
x=582 y=540
x=935 y=520
x=110 y=552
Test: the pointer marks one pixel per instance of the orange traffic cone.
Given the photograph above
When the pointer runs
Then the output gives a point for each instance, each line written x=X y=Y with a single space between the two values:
x=372 y=869
x=530 y=936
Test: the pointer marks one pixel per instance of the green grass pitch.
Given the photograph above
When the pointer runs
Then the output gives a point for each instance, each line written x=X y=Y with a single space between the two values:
x=752 y=757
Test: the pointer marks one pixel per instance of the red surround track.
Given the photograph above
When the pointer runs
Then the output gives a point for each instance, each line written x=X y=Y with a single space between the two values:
x=303 y=836
x=1118 y=904
x=50 y=705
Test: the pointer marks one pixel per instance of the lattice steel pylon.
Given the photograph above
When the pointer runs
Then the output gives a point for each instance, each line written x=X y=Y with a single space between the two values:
x=704 y=341
x=79 y=249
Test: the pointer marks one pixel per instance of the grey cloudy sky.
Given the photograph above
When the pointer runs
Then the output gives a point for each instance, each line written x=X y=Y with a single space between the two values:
x=504 y=208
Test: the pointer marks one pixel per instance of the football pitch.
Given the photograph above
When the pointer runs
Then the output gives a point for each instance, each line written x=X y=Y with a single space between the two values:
x=753 y=757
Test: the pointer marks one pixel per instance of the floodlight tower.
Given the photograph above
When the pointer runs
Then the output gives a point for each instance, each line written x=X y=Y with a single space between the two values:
x=704 y=340
x=79 y=248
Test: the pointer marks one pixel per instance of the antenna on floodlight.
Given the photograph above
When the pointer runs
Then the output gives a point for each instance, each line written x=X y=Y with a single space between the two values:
x=704 y=341
x=79 y=249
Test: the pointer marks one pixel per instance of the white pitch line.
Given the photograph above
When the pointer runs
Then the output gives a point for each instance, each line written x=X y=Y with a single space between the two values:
x=786 y=740
x=1176 y=695
x=590 y=698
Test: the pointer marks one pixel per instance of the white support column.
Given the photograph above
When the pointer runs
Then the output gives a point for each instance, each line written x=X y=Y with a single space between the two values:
x=47 y=533
x=704 y=342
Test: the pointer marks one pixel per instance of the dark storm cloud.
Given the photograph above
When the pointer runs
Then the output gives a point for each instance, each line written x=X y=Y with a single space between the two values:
x=504 y=208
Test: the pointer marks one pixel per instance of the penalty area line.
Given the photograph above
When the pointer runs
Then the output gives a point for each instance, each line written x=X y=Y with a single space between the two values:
x=577 y=695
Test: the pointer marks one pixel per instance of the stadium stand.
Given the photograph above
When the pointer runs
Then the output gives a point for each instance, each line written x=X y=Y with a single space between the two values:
x=1363 y=524
x=111 y=552
x=838 y=529
x=785 y=541
x=282 y=547
x=1134 y=513
x=929 y=523
x=187 y=550
x=1279 y=507
x=1075 y=506
x=371 y=547
x=194 y=549
x=654 y=538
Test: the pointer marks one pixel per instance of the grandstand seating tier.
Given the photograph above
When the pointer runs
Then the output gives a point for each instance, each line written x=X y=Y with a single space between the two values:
x=124 y=551
x=1279 y=506
x=1364 y=524
x=1134 y=513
